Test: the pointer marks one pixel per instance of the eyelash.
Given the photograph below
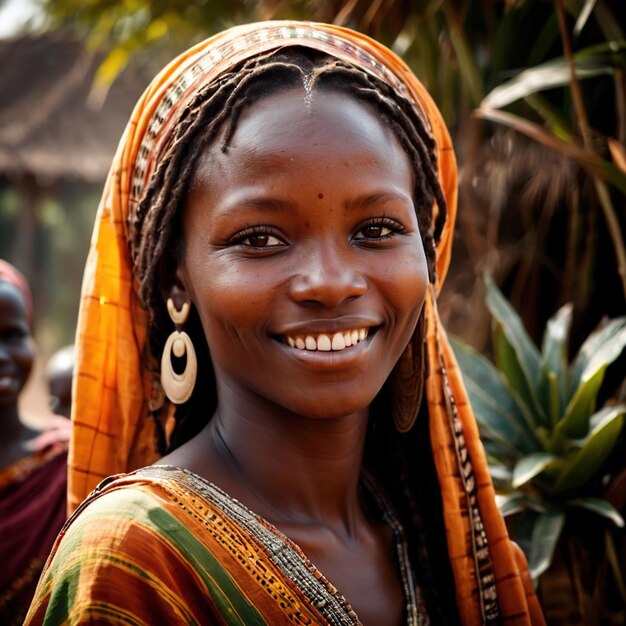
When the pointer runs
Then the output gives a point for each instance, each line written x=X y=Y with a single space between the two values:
x=261 y=230
x=394 y=227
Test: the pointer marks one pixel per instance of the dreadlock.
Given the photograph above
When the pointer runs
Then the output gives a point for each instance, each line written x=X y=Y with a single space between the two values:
x=155 y=239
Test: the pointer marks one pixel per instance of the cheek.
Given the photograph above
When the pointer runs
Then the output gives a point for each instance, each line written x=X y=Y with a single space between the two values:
x=406 y=285
x=231 y=301
x=24 y=355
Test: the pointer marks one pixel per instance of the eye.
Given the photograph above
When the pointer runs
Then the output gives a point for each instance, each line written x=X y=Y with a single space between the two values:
x=261 y=240
x=14 y=335
x=258 y=237
x=374 y=231
x=379 y=228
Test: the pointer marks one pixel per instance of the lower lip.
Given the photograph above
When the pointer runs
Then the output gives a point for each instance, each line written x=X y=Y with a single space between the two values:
x=331 y=359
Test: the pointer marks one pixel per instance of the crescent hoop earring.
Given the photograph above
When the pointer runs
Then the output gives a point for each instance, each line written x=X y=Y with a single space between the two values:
x=178 y=387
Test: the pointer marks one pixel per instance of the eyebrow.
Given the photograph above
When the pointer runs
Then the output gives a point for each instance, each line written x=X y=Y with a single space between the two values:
x=379 y=197
x=282 y=204
x=261 y=203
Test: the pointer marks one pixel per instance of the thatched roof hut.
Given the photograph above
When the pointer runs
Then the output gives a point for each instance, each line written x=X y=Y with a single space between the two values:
x=51 y=128
x=56 y=146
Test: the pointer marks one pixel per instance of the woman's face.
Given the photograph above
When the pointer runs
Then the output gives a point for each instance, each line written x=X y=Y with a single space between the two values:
x=302 y=253
x=16 y=346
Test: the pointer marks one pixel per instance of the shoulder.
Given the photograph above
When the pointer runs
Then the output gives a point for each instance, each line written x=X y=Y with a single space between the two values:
x=121 y=553
x=125 y=515
x=120 y=519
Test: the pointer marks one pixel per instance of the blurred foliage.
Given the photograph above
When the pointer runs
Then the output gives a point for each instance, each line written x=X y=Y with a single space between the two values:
x=64 y=221
x=568 y=131
x=128 y=27
x=549 y=440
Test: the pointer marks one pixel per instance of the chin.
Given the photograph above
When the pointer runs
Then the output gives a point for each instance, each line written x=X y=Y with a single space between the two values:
x=330 y=410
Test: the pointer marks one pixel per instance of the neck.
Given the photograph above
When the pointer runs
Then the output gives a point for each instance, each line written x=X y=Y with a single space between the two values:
x=304 y=470
x=13 y=436
x=11 y=427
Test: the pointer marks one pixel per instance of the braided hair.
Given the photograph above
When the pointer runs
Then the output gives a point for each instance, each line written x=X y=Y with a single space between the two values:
x=156 y=246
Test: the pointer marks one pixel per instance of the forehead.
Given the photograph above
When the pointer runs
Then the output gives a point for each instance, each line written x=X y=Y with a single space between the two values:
x=213 y=59
x=11 y=301
x=311 y=114
x=323 y=123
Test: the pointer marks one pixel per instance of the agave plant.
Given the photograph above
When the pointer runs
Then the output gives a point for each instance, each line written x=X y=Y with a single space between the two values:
x=546 y=438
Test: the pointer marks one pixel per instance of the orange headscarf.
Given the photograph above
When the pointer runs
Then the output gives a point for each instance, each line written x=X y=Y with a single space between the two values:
x=113 y=431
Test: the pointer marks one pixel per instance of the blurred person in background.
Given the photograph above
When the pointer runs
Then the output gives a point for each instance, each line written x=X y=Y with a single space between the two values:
x=59 y=370
x=33 y=463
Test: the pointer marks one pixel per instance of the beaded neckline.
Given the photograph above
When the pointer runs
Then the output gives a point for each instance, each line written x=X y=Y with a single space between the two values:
x=290 y=558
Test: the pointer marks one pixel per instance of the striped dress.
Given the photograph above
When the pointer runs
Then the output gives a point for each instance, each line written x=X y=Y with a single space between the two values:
x=164 y=546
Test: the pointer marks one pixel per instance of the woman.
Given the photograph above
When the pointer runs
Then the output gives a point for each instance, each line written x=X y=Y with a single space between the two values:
x=32 y=464
x=274 y=230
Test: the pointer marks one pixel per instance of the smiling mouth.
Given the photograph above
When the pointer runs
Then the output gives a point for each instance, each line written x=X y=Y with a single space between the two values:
x=327 y=342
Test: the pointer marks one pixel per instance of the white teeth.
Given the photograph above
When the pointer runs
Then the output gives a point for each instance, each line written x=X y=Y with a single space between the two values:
x=323 y=343
x=327 y=343
x=338 y=342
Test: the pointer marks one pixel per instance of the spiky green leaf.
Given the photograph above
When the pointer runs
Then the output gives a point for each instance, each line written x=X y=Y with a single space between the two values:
x=585 y=462
x=522 y=529
x=583 y=16
x=516 y=355
x=601 y=507
x=497 y=450
x=554 y=362
x=545 y=536
x=606 y=343
x=575 y=422
x=532 y=465
x=500 y=475
x=516 y=502
x=598 y=60
x=508 y=363
x=497 y=413
x=552 y=116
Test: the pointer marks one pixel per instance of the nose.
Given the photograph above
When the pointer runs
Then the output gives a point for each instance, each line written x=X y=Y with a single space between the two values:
x=327 y=277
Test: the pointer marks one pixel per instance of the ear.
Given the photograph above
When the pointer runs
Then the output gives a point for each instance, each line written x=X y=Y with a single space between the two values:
x=173 y=286
x=179 y=295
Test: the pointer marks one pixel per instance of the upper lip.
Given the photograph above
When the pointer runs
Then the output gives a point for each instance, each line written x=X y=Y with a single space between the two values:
x=329 y=326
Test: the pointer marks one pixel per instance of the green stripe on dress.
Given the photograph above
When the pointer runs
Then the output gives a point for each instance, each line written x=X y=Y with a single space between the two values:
x=232 y=604
x=63 y=576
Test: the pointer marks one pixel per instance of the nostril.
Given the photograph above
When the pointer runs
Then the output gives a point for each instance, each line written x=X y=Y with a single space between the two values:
x=328 y=288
